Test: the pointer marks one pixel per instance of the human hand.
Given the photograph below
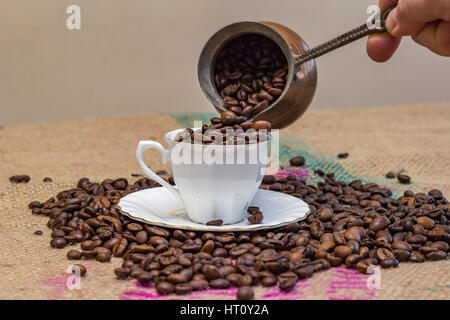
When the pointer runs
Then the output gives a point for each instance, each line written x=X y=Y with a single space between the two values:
x=426 y=21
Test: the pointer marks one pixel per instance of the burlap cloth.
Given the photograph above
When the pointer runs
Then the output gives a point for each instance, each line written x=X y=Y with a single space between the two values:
x=415 y=139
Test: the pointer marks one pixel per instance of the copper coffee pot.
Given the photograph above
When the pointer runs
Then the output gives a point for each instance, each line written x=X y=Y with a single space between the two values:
x=302 y=73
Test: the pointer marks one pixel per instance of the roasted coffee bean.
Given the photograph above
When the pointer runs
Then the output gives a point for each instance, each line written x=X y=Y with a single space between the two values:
x=401 y=255
x=352 y=260
x=199 y=285
x=247 y=65
x=343 y=155
x=390 y=175
x=378 y=223
x=261 y=125
x=19 y=179
x=364 y=267
x=122 y=273
x=79 y=269
x=389 y=263
x=416 y=257
x=58 y=243
x=183 y=288
x=342 y=252
x=269 y=281
x=47 y=179
x=426 y=222
x=165 y=288
x=436 y=255
x=286 y=284
x=401 y=245
x=403 y=178
x=74 y=255
x=103 y=256
x=297 y=161
x=245 y=293
x=253 y=210
x=383 y=254
x=218 y=222
x=255 y=218
x=38 y=232
x=317 y=229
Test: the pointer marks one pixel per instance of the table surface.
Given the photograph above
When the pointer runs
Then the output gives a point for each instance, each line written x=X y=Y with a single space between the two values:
x=413 y=139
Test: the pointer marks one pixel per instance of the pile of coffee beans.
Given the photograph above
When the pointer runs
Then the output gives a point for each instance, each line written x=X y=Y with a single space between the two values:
x=356 y=224
x=229 y=129
x=250 y=73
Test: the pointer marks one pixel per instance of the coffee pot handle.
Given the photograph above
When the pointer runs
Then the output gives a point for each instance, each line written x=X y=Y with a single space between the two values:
x=376 y=25
x=165 y=156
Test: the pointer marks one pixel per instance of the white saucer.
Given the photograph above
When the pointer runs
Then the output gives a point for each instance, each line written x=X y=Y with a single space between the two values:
x=278 y=209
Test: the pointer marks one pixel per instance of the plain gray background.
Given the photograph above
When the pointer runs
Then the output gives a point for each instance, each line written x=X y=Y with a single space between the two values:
x=141 y=56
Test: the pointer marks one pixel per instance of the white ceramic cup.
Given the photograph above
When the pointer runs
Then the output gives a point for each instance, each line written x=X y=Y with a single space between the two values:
x=209 y=189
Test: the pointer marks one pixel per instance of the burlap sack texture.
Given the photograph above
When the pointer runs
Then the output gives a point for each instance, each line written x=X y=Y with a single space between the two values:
x=413 y=139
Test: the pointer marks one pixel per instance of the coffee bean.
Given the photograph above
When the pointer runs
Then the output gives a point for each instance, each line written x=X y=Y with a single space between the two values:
x=218 y=222
x=19 y=179
x=122 y=273
x=79 y=269
x=389 y=263
x=165 y=288
x=219 y=283
x=343 y=155
x=401 y=245
x=342 y=252
x=74 y=255
x=352 y=260
x=103 y=256
x=403 y=178
x=58 y=243
x=199 y=285
x=297 y=161
x=437 y=255
x=378 y=223
x=38 y=232
x=183 y=288
x=383 y=254
x=269 y=179
x=317 y=229
x=245 y=293
x=426 y=222
x=356 y=223
x=390 y=175
x=47 y=179
x=253 y=210
x=261 y=125
x=242 y=76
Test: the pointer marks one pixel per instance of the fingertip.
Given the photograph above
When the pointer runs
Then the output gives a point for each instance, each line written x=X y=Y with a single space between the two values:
x=380 y=47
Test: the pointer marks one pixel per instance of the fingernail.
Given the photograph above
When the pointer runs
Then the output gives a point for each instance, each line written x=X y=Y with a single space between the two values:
x=391 y=22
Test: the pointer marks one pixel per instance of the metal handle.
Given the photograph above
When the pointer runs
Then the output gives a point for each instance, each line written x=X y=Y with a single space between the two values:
x=346 y=38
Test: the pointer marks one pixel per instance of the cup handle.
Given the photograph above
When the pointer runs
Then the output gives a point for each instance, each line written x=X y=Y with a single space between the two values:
x=165 y=154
